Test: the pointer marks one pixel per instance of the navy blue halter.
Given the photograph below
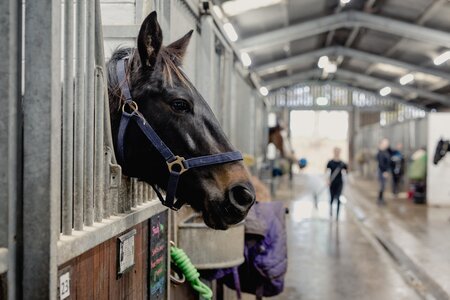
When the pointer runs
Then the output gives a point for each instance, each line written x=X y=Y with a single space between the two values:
x=176 y=165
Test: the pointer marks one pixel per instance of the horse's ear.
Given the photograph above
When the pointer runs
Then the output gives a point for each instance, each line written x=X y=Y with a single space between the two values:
x=149 y=40
x=178 y=48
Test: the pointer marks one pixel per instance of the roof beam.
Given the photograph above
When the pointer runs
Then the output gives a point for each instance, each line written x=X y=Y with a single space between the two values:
x=338 y=51
x=346 y=19
x=408 y=89
x=366 y=91
x=357 y=77
x=292 y=79
x=282 y=64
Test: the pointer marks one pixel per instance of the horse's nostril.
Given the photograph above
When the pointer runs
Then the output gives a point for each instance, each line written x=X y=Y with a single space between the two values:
x=241 y=195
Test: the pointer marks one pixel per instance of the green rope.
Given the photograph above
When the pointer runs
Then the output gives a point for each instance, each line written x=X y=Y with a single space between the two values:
x=190 y=272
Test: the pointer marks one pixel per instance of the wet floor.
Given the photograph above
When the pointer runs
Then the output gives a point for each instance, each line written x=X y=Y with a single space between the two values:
x=331 y=259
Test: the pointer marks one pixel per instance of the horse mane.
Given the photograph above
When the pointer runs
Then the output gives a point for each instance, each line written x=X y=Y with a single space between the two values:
x=168 y=59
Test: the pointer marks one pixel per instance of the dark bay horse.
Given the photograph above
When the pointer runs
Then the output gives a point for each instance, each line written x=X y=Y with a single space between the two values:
x=183 y=121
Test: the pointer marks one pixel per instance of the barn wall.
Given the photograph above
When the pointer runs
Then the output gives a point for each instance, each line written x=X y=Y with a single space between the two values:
x=412 y=134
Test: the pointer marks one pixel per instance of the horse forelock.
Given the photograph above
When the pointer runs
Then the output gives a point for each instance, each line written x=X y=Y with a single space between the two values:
x=168 y=64
x=171 y=63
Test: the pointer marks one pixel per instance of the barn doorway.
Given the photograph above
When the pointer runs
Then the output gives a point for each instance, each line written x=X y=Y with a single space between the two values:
x=314 y=134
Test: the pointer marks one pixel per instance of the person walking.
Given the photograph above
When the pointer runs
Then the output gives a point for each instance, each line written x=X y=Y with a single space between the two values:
x=384 y=166
x=397 y=168
x=335 y=168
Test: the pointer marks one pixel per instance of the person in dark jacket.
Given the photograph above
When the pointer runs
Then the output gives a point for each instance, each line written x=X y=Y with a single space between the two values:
x=336 y=167
x=384 y=167
x=397 y=168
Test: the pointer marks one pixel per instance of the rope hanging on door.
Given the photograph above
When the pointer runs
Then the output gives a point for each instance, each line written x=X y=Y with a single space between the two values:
x=183 y=262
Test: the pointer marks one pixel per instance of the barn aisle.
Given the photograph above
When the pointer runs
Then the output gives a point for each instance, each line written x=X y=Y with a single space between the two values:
x=331 y=259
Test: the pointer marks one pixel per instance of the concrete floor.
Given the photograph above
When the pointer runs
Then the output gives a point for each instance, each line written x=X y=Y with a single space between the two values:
x=331 y=259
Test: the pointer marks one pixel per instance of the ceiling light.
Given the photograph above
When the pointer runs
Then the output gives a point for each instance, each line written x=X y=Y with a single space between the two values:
x=331 y=68
x=343 y=2
x=322 y=101
x=323 y=62
x=231 y=33
x=385 y=91
x=406 y=79
x=236 y=7
x=264 y=91
x=246 y=60
x=218 y=11
x=442 y=58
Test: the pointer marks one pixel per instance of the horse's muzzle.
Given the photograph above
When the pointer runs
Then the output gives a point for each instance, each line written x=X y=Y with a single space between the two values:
x=238 y=200
x=242 y=196
x=232 y=208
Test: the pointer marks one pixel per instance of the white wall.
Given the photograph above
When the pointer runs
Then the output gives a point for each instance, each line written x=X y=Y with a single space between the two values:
x=438 y=180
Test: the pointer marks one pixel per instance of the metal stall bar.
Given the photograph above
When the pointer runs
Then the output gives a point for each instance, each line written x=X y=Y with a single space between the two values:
x=140 y=192
x=42 y=148
x=89 y=116
x=113 y=172
x=10 y=142
x=67 y=162
x=99 y=155
x=79 y=116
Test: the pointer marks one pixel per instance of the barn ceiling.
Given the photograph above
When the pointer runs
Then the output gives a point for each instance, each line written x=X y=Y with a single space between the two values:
x=373 y=44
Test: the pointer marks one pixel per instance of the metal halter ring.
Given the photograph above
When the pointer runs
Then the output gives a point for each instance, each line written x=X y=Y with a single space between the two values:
x=178 y=162
x=133 y=105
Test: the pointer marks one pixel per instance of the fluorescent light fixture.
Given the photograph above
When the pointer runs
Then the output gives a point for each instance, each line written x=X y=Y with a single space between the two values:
x=385 y=91
x=231 y=33
x=343 y=2
x=236 y=7
x=246 y=60
x=322 y=101
x=331 y=67
x=406 y=79
x=323 y=62
x=264 y=91
x=442 y=58
x=218 y=11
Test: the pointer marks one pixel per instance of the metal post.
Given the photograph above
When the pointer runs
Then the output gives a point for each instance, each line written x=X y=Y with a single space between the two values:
x=99 y=152
x=134 y=192
x=140 y=192
x=67 y=167
x=108 y=192
x=10 y=139
x=42 y=148
x=147 y=193
x=79 y=116
x=89 y=116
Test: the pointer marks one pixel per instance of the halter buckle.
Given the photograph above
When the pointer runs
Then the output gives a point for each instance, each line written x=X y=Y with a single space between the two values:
x=132 y=105
x=178 y=162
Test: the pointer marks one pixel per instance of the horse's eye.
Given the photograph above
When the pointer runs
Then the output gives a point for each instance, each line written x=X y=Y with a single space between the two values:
x=180 y=105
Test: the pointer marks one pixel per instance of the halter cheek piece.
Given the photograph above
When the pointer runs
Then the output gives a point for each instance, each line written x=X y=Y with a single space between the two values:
x=176 y=165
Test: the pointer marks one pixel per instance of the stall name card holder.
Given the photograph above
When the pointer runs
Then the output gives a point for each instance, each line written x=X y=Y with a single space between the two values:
x=64 y=283
x=125 y=252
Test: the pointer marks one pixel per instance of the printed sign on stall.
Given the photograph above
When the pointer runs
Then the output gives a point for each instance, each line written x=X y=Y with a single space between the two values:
x=158 y=256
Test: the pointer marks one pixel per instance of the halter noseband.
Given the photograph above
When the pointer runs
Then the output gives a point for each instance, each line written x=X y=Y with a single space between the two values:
x=176 y=165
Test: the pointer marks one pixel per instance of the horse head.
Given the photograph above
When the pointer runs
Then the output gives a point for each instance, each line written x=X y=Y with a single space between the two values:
x=441 y=149
x=183 y=121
